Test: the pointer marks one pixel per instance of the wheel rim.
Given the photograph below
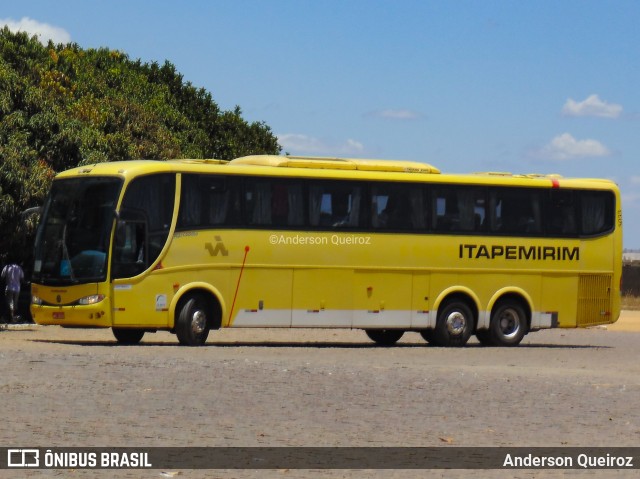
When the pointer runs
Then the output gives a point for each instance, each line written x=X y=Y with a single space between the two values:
x=509 y=323
x=198 y=322
x=456 y=322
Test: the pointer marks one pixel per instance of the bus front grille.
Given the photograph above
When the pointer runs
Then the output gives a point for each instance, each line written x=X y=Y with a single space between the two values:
x=594 y=299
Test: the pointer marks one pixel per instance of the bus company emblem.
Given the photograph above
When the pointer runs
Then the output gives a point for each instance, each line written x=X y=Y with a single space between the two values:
x=218 y=248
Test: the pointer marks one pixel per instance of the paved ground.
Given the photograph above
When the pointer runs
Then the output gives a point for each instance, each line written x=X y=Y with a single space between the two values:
x=64 y=387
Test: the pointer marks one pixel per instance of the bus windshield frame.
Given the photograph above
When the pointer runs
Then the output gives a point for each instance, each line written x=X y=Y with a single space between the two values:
x=73 y=239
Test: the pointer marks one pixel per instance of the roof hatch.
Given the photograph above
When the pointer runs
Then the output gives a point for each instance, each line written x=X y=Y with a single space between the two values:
x=336 y=163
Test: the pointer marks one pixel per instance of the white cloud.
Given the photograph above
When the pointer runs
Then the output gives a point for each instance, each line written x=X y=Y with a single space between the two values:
x=635 y=180
x=592 y=106
x=566 y=147
x=630 y=199
x=353 y=146
x=43 y=31
x=395 y=114
x=295 y=143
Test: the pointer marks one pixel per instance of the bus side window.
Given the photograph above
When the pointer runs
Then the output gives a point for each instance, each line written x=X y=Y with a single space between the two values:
x=379 y=200
x=190 y=214
x=218 y=201
x=458 y=209
x=257 y=200
x=443 y=213
x=597 y=212
x=398 y=207
x=515 y=211
x=273 y=202
x=334 y=205
x=287 y=204
x=471 y=209
x=208 y=201
x=561 y=214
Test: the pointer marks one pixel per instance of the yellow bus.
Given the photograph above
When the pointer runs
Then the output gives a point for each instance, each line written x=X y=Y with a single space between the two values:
x=385 y=246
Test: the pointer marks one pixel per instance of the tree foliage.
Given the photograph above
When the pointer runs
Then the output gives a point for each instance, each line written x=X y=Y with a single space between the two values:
x=62 y=106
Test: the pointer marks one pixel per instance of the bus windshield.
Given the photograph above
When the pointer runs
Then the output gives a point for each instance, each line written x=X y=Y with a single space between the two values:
x=72 y=242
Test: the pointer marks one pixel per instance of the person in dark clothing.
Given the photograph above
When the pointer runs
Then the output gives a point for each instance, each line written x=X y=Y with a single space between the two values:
x=13 y=275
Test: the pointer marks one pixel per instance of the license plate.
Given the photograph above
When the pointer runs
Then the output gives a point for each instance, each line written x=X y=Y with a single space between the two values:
x=58 y=315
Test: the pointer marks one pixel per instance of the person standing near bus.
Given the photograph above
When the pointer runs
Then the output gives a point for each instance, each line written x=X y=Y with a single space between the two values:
x=13 y=275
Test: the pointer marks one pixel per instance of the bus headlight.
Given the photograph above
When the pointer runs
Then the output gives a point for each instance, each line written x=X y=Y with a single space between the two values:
x=93 y=299
x=36 y=300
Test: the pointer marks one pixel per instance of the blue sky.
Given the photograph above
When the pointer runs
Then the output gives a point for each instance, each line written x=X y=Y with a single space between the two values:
x=538 y=86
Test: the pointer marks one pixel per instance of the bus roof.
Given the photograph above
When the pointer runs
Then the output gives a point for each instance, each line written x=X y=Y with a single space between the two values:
x=330 y=168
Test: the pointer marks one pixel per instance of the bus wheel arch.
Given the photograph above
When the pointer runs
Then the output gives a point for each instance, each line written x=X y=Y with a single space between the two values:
x=214 y=303
x=195 y=313
x=456 y=319
x=510 y=320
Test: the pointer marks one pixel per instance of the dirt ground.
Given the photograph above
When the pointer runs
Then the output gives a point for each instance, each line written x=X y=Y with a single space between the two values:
x=560 y=388
x=628 y=321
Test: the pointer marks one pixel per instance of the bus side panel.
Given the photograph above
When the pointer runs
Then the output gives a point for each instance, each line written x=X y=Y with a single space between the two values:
x=555 y=291
x=322 y=298
x=420 y=301
x=382 y=299
x=144 y=303
x=599 y=281
x=263 y=298
x=441 y=281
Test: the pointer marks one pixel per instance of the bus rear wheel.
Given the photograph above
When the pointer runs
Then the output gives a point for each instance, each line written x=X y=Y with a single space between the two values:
x=508 y=324
x=192 y=325
x=454 y=324
x=128 y=335
x=385 y=337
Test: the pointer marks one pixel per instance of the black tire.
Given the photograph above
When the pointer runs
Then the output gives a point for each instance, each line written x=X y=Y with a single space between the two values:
x=454 y=325
x=508 y=323
x=428 y=335
x=484 y=336
x=384 y=337
x=128 y=335
x=192 y=323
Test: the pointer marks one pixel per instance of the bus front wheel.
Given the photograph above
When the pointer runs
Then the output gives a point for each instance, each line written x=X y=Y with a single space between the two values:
x=385 y=337
x=454 y=324
x=192 y=325
x=428 y=335
x=508 y=324
x=128 y=335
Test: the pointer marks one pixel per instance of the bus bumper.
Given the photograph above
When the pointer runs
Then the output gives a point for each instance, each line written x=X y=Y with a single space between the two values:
x=90 y=316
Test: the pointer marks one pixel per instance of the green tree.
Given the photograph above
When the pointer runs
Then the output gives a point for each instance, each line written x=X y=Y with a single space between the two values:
x=62 y=106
